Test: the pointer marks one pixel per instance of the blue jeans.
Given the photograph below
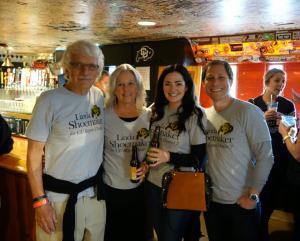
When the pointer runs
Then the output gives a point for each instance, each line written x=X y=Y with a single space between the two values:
x=230 y=222
x=170 y=225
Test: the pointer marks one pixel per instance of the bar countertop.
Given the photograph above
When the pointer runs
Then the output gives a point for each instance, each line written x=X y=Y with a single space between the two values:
x=16 y=159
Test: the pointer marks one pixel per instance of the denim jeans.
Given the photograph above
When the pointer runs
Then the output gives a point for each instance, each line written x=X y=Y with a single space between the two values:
x=230 y=222
x=171 y=225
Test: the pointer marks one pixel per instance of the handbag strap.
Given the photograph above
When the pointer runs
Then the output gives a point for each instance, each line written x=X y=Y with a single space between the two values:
x=166 y=180
x=196 y=169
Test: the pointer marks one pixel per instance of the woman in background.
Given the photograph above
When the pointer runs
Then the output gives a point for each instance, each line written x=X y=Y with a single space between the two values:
x=126 y=124
x=182 y=144
x=274 y=105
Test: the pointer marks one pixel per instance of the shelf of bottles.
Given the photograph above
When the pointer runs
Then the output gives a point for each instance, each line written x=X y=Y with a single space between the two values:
x=19 y=87
x=17 y=126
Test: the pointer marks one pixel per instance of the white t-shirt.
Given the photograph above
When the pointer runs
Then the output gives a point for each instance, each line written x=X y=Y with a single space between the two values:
x=231 y=137
x=120 y=135
x=171 y=140
x=72 y=127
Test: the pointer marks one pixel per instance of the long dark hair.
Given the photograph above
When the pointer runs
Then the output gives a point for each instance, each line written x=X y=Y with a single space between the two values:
x=188 y=105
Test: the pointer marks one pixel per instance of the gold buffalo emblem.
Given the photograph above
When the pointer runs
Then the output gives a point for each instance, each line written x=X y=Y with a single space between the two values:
x=142 y=133
x=172 y=126
x=96 y=111
x=225 y=129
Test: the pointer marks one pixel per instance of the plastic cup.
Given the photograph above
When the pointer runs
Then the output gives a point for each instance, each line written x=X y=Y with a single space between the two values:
x=273 y=106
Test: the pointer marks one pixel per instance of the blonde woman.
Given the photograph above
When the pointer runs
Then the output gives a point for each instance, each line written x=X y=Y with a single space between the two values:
x=274 y=105
x=126 y=124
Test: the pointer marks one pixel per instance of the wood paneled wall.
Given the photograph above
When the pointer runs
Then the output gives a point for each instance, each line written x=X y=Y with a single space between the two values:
x=16 y=213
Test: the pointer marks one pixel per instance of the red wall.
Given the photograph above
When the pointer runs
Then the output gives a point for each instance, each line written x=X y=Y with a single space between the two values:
x=249 y=80
x=293 y=81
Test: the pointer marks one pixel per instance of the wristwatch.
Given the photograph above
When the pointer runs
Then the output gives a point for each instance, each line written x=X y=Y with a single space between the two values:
x=254 y=197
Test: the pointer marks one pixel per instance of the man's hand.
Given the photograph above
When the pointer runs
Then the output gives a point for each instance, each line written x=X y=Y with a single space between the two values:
x=246 y=203
x=46 y=218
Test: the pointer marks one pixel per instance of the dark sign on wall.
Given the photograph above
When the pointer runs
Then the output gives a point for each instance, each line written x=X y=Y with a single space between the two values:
x=173 y=51
x=117 y=54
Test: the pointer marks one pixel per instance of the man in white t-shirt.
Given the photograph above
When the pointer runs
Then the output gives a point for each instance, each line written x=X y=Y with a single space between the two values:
x=67 y=127
x=239 y=158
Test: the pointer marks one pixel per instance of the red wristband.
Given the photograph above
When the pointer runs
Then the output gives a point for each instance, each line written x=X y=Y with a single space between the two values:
x=40 y=203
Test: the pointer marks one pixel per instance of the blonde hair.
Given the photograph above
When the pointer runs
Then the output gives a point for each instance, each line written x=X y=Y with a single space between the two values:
x=111 y=98
x=271 y=73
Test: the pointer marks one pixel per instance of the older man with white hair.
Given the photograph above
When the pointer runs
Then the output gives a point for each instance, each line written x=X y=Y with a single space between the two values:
x=67 y=127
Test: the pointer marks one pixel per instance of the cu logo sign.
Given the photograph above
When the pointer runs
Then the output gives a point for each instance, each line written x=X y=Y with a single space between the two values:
x=144 y=53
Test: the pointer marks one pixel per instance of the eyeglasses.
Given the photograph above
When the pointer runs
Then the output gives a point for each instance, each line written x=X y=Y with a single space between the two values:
x=91 y=67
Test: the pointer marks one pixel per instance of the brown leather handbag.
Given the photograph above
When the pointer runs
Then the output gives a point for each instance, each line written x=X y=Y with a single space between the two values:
x=184 y=190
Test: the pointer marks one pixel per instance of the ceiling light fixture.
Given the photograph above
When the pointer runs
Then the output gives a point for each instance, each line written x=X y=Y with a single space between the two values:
x=146 y=23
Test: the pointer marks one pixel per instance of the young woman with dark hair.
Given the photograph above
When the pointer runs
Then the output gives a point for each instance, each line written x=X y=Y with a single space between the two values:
x=182 y=144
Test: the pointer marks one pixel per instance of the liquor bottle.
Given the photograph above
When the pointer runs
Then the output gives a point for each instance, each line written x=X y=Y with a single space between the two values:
x=154 y=141
x=134 y=165
x=1 y=79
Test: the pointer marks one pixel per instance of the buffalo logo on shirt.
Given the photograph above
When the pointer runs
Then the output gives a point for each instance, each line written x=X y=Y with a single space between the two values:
x=225 y=128
x=172 y=126
x=96 y=111
x=142 y=133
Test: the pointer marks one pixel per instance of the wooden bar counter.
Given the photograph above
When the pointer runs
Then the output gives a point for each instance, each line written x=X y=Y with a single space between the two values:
x=16 y=212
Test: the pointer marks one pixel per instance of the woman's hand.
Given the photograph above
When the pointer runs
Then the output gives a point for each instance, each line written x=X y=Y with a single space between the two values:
x=141 y=171
x=278 y=118
x=283 y=130
x=157 y=156
x=271 y=115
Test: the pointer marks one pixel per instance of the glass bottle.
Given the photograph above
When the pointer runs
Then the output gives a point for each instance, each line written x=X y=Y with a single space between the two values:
x=154 y=141
x=134 y=164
